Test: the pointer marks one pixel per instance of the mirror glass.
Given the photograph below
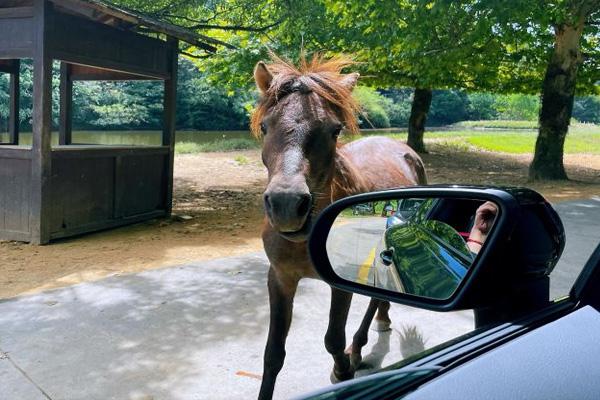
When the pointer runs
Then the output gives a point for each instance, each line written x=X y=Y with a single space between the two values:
x=419 y=246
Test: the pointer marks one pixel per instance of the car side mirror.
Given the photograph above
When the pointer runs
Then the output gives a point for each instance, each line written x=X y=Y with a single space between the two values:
x=455 y=247
x=387 y=257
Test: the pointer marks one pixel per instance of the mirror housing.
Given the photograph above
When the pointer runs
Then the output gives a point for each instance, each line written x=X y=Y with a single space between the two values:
x=510 y=274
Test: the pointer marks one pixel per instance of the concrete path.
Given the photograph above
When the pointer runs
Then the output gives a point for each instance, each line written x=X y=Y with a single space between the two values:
x=190 y=332
x=198 y=331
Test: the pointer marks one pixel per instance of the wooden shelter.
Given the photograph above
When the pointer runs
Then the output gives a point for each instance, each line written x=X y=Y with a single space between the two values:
x=49 y=192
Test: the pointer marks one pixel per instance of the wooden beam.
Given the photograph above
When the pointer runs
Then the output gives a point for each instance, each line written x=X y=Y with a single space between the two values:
x=201 y=41
x=88 y=73
x=8 y=66
x=42 y=120
x=80 y=41
x=16 y=12
x=13 y=119
x=169 y=101
x=66 y=105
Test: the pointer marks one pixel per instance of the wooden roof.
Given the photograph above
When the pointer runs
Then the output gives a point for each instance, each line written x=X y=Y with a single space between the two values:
x=106 y=13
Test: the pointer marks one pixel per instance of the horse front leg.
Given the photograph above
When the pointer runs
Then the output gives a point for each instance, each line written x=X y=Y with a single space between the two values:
x=281 y=299
x=382 y=319
x=335 y=338
x=360 y=338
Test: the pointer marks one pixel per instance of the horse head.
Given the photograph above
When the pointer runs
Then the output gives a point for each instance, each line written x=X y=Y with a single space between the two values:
x=301 y=113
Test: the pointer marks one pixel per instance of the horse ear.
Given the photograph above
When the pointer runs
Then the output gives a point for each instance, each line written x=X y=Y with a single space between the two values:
x=349 y=80
x=262 y=76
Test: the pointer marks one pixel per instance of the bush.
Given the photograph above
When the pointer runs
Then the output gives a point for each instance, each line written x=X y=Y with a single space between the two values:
x=397 y=105
x=587 y=109
x=518 y=107
x=373 y=106
x=447 y=107
x=481 y=106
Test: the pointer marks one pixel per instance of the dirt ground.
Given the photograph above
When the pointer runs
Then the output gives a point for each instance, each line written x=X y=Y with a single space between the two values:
x=217 y=207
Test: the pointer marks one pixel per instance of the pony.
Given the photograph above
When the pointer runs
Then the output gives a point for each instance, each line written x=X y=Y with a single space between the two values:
x=300 y=115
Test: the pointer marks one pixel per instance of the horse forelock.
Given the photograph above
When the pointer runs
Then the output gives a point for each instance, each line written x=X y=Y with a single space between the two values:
x=319 y=76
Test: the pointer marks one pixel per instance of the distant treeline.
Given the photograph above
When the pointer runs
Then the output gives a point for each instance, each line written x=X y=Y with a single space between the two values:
x=204 y=105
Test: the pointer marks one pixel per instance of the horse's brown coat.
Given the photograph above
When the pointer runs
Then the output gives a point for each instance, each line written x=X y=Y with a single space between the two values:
x=300 y=115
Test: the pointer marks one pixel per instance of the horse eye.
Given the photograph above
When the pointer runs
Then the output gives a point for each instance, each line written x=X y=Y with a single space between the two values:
x=263 y=128
x=337 y=131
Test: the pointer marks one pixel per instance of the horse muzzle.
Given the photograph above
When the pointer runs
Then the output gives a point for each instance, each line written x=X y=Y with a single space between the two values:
x=289 y=213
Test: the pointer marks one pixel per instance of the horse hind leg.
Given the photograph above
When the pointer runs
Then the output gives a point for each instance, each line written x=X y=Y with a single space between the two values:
x=361 y=336
x=281 y=298
x=382 y=321
x=335 y=338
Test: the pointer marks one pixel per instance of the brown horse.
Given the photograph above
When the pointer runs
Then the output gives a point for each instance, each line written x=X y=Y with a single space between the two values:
x=300 y=116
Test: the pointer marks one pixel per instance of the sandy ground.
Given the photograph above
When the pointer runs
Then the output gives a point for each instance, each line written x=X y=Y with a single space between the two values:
x=217 y=206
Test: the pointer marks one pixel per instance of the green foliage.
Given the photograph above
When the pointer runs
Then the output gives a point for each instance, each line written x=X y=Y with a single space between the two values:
x=373 y=108
x=587 y=109
x=398 y=106
x=482 y=106
x=136 y=105
x=448 y=107
x=518 y=106
x=207 y=106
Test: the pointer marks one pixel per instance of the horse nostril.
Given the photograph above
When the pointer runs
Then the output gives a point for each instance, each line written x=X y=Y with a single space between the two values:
x=304 y=205
x=267 y=201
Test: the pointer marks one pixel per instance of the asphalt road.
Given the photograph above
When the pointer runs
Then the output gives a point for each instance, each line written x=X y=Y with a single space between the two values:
x=198 y=331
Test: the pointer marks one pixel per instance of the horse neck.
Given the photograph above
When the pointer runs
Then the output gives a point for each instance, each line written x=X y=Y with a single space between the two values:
x=347 y=179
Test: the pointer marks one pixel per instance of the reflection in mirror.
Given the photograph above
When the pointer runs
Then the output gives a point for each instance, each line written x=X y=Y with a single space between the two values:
x=418 y=246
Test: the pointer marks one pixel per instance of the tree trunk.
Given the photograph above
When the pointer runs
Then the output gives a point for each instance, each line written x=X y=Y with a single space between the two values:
x=418 y=116
x=558 y=92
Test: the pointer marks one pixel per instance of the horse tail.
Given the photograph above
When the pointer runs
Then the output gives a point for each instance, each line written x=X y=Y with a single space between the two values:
x=417 y=166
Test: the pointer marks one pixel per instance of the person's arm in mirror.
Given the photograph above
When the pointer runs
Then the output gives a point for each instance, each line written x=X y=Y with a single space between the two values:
x=484 y=220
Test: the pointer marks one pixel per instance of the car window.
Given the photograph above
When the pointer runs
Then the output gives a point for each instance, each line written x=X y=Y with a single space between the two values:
x=581 y=219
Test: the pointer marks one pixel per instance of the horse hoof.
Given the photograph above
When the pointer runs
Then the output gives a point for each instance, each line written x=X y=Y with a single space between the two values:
x=381 y=326
x=335 y=378
x=355 y=360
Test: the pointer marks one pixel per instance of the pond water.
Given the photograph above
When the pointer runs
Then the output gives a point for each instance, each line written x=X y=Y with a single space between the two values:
x=150 y=138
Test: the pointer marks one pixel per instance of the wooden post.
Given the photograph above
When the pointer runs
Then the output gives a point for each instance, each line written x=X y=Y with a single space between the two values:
x=168 y=139
x=13 y=119
x=42 y=120
x=66 y=105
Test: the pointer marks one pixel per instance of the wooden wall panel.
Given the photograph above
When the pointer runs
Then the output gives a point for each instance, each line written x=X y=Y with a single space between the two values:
x=16 y=37
x=140 y=185
x=82 y=192
x=15 y=179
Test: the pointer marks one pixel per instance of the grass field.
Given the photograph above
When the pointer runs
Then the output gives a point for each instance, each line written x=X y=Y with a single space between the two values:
x=582 y=138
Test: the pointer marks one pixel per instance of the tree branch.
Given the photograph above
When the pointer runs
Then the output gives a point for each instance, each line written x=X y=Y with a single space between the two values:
x=196 y=56
x=237 y=27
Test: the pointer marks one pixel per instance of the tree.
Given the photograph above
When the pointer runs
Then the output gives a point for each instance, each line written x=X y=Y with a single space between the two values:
x=422 y=44
x=569 y=22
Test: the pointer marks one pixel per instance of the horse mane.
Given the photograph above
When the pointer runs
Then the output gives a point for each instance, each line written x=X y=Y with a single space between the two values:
x=319 y=75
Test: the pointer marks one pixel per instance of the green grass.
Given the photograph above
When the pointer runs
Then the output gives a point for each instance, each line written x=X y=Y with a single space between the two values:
x=241 y=160
x=525 y=143
x=498 y=124
x=582 y=138
x=217 y=145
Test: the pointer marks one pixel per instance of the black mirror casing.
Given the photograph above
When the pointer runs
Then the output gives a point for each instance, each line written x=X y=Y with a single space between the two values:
x=509 y=275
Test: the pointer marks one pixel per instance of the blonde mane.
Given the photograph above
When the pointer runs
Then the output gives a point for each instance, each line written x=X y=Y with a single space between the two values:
x=319 y=75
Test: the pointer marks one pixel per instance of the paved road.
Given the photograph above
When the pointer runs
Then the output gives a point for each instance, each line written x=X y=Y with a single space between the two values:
x=198 y=331
x=351 y=245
